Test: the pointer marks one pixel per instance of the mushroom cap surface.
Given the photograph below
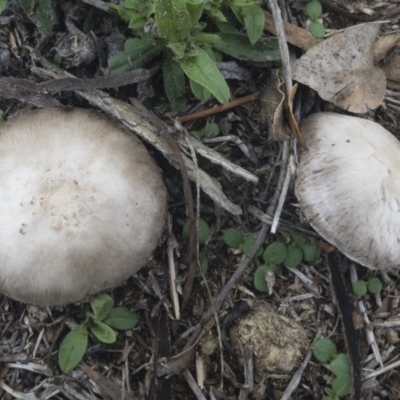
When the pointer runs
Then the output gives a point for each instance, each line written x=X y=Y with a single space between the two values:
x=82 y=205
x=348 y=186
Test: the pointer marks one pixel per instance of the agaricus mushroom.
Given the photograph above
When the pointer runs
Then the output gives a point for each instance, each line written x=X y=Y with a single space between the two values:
x=82 y=205
x=348 y=186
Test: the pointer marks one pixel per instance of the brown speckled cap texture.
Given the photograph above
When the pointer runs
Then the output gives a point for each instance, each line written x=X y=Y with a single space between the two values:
x=82 y=205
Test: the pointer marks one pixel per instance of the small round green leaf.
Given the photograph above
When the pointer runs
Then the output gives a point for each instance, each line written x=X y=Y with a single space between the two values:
x=293 y=257
x=310 y=252
x=313 y=10
x=374 y=285
x=103 y=332
x=324 y=349
x=233 y=238
x=202 y=269
x=204 y=231
x=101 y=306
x=340 y=365
x=360 y=288
x=341 y=386
x=248 y=245
x=317 y=29
x=259 y=277
x=72 y=348
x=275 y=253
x=121 y=318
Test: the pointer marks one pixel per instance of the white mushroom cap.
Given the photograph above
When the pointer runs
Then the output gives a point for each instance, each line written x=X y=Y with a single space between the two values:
x=348 y=185
x=82 y=205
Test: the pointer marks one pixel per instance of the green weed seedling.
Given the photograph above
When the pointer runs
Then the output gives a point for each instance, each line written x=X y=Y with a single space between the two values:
x=100 y=322
x=313 y=11
x=191 y=35
x=203 y=233
x=325 y=351
x=235 y=239
x=290 y=255
x=373 y=286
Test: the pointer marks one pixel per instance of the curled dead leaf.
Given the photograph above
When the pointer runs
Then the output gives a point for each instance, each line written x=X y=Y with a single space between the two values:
x=341 y=69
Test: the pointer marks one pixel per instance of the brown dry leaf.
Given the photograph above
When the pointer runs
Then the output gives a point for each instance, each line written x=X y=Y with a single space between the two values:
x=342 y=71
x=392 y=70
x=272 y=100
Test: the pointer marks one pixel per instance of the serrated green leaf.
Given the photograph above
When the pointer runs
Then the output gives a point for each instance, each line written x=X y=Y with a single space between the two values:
x=172 y=19
x=40 y=12
x=199 y=67
x=72 y=348
x=101 y=306
x=174 y=83
x=103 y=332
x=238 y=46
x=121 y=318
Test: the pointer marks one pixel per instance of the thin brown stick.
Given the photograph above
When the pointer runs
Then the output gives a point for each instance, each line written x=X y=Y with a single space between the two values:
x=219 y=109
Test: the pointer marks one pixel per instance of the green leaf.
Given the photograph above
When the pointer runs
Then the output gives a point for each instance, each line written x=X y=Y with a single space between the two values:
x=40 y=12
x=101 y=306
x=195 y=9
x=137 y=22
x=199 y=67
x=215 y=13
x=340 y=365
x=72 y=348
x=324 y=349
x=204 y=231
x=259 y=277
x=178 y=49
x=202 y=268
x=173 y=20
x=310 y=252
x=254 y=19
x=248 y=245
x=317 y=29
x=103 y=332
x=293 y=257
x=313 y=9
x=136 y=53
x=341 y=386
x=174 y=82
x=238 y=46
x=199 y=91
x=233 y=238
x=209 y=131
x=3 y=4
x=374 y=285
x=299 y=238
x=360 y=288
x=121 y=318
x=275 y=253
x=230 y=3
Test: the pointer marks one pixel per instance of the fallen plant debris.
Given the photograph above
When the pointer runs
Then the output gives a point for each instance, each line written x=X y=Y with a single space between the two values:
x=175 y=353
x=341 y=69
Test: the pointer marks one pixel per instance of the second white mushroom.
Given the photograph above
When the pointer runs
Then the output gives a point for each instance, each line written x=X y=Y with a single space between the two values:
x=348 y=186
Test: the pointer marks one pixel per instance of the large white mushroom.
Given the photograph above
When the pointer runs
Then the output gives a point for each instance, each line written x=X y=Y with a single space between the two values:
x=82 y=205
x=348 y=186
